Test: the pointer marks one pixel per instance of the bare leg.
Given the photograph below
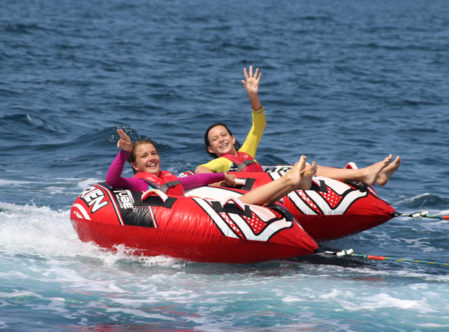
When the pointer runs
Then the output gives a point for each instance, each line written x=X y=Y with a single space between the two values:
x=388 y=171
x=367 y=175
x=298 y=177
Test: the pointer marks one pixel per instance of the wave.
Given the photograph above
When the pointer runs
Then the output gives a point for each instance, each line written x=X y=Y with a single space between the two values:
x=34 y=232
x=425 y=201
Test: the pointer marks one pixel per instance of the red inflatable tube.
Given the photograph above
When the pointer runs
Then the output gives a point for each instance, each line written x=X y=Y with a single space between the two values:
x=330 y=210
x=190 y=228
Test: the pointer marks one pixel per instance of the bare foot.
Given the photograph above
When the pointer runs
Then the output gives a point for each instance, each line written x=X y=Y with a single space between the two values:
x=386 y=173
x=300 y=175
x=294 y=175
x=307 y=175
x=371 y=173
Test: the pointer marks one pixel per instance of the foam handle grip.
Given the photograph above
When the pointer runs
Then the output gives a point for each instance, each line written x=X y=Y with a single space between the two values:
x=240 y=182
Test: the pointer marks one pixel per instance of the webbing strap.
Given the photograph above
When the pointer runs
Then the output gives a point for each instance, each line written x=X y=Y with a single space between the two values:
x=231 y=208
x=164 y=188
x=243 y=164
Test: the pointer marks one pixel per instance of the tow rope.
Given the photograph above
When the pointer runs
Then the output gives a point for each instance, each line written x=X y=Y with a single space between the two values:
x=422 y=214
x=350 y=253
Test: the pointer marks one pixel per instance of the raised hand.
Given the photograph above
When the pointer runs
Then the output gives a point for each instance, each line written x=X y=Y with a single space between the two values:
x=124 y=142
x=251 y=81
x=251 y=84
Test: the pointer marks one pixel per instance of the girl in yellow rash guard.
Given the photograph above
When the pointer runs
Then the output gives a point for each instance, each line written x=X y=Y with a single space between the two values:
x=220 y=142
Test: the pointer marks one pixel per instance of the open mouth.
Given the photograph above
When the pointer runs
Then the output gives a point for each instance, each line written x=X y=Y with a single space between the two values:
x=223 y=146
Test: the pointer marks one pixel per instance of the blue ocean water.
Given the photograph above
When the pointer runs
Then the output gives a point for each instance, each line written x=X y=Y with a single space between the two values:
x=342 y=81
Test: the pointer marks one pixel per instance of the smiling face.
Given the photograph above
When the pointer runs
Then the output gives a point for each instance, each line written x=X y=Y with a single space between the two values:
x=220 y=141
x=146 y=159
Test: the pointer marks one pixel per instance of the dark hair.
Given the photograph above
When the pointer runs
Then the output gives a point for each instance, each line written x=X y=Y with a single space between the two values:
x=132 y=155
x=206 y=137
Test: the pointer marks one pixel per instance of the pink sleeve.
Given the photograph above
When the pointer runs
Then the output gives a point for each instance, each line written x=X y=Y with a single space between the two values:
x=114 y=176
x=200 y=179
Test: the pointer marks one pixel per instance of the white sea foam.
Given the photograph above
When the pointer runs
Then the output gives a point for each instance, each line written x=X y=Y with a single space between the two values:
x=88 y=182
x=336 y=294
x=434 y=326
x=15 y=183
x=56 y=304
x=44 y=232
x=32 y=230
x=139 y=313
x=413 y=198
x=386 y=301
x=19 y=293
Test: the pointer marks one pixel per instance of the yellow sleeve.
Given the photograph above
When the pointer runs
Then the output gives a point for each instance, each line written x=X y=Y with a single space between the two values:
x=255 y=134
x=218 y=165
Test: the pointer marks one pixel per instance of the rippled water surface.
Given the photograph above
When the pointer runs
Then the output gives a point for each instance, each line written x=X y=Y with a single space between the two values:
x=342 y=81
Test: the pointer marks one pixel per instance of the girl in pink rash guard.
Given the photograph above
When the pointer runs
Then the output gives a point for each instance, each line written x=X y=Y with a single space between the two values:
x=114 y=178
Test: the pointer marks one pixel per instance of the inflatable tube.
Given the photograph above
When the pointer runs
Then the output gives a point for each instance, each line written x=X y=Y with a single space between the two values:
x=330 y=210
x=198 y=229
